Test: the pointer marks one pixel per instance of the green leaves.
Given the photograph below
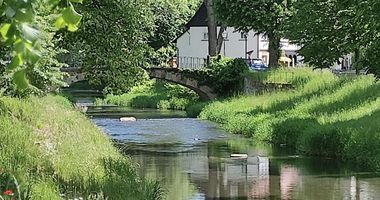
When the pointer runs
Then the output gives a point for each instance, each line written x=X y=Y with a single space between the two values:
x=76 y=1
x=69 y=18
x=4 y=30
x=16 y=61
x=18 y=30
x=19 y=78
x=24 y=15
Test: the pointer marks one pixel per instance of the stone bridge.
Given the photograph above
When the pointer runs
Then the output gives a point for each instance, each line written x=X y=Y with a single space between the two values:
x=173 y=75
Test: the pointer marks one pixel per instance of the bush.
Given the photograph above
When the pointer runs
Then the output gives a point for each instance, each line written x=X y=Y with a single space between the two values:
x=195 y=109
x=224 y=75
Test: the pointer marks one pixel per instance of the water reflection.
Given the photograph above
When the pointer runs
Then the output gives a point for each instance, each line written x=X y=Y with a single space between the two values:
x=203 y=169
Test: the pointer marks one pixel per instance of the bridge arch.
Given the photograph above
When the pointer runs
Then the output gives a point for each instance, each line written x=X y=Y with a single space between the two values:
x=175 y=76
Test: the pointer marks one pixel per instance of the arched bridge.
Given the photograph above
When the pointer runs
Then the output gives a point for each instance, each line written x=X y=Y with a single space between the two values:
x=173 y=75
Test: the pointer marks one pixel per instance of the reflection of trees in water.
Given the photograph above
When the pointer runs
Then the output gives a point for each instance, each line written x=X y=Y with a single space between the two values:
x=226 y=177
x=217 y=176
x=169 y=171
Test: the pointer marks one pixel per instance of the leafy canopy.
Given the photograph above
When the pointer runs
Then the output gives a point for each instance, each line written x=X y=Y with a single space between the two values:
x=20 y=33
x=112 y=43
x=327 y=30
x=263 y=16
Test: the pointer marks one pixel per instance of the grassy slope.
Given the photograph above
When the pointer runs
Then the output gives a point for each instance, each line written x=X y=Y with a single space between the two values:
x=53 y=149
x=324 y=116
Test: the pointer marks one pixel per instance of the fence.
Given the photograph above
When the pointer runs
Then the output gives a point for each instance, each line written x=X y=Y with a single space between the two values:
x=191 y=62
x=272 y=76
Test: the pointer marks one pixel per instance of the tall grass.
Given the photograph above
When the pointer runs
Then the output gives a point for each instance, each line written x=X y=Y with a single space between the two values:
x=55 y=152
x=154 y=94
x=325 y=116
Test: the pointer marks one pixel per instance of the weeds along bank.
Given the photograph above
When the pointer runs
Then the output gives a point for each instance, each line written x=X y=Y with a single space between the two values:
x=325 y=116
x=55 y=152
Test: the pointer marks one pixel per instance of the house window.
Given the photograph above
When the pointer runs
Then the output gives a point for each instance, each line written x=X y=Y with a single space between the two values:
x=205 y=36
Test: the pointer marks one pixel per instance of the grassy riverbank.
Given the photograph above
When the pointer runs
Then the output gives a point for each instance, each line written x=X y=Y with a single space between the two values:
x=154 y=94
x=324 y=116
x=54 y=151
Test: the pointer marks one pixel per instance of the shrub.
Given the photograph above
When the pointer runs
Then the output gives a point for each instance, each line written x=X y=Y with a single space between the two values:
x=224 y=75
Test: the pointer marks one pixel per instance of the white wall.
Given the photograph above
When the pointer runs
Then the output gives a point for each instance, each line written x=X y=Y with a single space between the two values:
x=285 y=45
x=194 y=44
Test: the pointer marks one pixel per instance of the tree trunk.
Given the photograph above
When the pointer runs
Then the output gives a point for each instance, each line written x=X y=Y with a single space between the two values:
x=212 y=28
x=274 y=50
x=356 y=64
x=220 y=39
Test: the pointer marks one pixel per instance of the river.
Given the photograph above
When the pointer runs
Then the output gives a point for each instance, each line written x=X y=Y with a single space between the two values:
x=192 y=160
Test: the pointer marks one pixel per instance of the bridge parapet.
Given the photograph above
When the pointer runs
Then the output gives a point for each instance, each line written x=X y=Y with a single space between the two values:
x=175 y=76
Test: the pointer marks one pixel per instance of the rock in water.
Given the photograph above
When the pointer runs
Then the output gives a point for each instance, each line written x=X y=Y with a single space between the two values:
x=241 y=156
x=128 y=119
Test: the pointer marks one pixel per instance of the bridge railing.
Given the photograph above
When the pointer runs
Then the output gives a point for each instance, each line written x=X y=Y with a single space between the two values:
x=191 y=62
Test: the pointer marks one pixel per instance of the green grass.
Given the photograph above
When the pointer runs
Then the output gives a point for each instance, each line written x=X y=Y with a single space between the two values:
x=324 y=116
x=154 y=94
x=54 y=150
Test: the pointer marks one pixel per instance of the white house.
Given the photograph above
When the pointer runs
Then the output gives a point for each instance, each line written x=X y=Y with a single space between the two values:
x=192 y=45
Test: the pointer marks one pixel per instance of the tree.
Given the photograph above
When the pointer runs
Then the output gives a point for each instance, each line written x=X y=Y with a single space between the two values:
x=332 y=29
x=23 y=37
x=325 y=35
x=212 y=28
x=111 y=46
x=264 y=16
x=170 y=18
x=215 y=39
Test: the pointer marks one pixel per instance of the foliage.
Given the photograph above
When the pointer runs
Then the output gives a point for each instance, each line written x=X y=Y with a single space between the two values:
x=332 y=29
x=162 y=56
x=265 y=17
x=45 y=75
x=195 y=109
x=55 y=152
x=170 y=17
x=224 y=75
x=19 y=32
x=324 y=116
x=111 y=46
x=155 y=94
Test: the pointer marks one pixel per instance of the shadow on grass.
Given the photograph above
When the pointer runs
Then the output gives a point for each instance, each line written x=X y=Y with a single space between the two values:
x=293 y=101
x=353 y=99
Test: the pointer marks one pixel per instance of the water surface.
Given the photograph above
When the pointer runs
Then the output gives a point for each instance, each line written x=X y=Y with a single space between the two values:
x=192 y=161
